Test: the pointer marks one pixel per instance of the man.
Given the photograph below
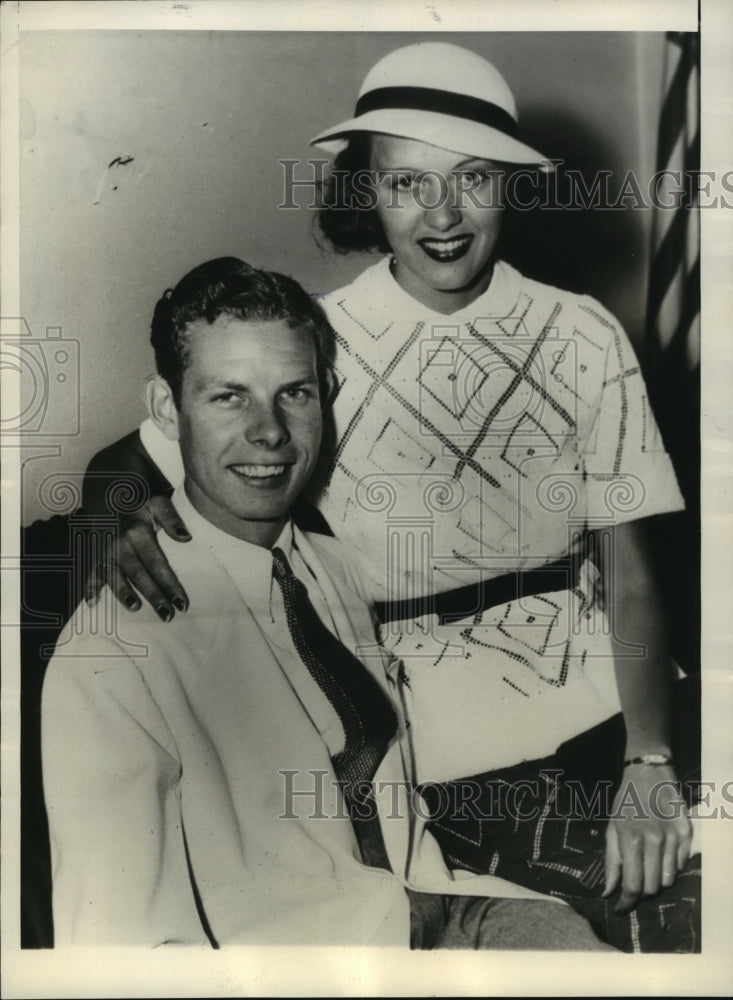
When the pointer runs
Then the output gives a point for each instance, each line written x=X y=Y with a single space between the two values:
x=213 y=783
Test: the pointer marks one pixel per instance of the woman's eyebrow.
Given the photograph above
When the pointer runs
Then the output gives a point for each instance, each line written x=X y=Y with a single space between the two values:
x=398 y=170
x=475 y=161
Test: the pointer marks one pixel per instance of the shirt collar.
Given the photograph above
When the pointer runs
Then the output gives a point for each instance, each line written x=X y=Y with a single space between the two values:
x=377 y=293
x=249 y=566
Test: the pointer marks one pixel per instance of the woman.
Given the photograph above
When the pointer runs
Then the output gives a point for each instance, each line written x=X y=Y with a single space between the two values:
x=487 y=428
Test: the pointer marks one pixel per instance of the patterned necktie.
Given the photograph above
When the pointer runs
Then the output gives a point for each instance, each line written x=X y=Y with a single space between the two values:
x=365 y=712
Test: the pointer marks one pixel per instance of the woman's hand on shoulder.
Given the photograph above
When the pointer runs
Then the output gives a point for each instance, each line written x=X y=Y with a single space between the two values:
x=135 y=565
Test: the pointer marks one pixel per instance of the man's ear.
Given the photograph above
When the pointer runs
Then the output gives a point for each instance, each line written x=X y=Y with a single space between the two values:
x=161 y=406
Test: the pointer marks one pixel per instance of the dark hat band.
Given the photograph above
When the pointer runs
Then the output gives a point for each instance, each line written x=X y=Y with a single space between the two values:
x=441 y=101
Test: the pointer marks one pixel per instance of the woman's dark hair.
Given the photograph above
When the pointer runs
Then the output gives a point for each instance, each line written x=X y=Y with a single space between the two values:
x=348 y=216
x=228 y=286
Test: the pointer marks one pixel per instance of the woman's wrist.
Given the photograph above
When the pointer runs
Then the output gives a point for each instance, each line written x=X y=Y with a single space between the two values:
x=650 y=760
x=648 y=735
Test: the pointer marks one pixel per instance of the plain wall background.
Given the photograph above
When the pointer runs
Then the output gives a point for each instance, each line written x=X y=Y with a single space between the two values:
x=206 y=116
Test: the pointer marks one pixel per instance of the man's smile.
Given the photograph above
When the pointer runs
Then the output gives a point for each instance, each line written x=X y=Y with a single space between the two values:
x=261 y=474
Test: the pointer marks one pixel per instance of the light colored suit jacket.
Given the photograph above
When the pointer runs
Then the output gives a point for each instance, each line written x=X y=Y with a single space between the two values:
x=168 y=754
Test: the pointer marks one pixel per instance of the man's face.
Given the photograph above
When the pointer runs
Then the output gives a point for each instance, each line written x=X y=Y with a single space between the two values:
x=249 y=423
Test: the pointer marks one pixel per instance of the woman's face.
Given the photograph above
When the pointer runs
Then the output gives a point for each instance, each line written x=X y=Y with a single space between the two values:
x=441 y=214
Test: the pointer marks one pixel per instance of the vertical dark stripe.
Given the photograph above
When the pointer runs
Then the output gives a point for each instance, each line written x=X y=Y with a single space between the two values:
x=676 y=351
x=692 y=161
x=672 y=116
x=667 y=259
x=672 y=250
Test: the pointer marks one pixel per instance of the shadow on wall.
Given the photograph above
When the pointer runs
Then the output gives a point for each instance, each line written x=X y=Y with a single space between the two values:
x=562 y=239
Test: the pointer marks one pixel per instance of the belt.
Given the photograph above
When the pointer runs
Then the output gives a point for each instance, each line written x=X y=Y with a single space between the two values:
x=454 y=605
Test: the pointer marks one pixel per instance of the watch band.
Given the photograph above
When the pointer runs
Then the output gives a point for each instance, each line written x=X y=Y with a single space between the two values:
x=649 y=758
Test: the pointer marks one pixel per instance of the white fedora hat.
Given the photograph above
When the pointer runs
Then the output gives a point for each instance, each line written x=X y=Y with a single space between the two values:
x=441 y=94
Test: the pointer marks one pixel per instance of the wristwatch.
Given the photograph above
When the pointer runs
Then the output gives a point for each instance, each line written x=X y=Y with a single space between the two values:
x=650 y=758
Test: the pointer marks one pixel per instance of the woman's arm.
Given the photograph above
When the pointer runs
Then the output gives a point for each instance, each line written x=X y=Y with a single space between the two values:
x=648 y=839
x=124 y=463
x=136 y=560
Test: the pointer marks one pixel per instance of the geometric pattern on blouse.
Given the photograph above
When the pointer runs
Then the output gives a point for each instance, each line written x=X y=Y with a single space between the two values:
x=488 y=403
x=502 y=411
x=446 y=403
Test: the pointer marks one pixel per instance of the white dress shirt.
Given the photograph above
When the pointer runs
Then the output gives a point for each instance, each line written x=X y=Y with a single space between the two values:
x=250 y=567
x=187 y=767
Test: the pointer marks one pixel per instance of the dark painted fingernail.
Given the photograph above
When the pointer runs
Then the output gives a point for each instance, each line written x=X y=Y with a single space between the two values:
x=182 y=532
x=179 y=603
x=163 y=612
x=132 y=602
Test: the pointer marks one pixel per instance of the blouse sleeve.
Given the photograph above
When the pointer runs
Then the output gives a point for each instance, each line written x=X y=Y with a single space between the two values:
x=628 y=473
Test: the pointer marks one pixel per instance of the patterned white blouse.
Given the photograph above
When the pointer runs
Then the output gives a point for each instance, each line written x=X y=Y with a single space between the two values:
x=475 y=445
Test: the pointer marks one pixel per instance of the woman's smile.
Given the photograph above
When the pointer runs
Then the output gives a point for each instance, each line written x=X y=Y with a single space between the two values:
x=446 y=250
